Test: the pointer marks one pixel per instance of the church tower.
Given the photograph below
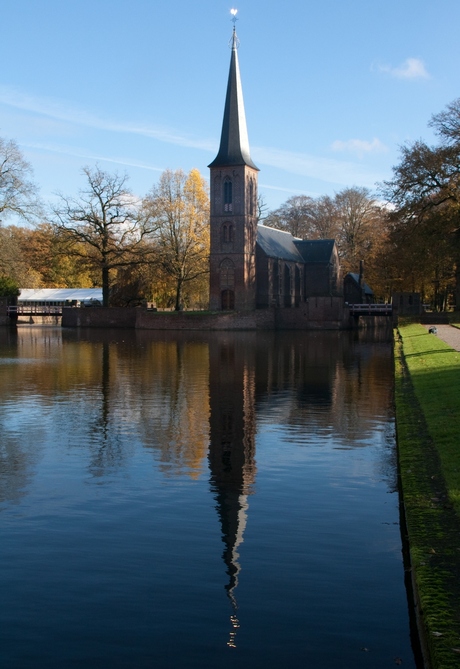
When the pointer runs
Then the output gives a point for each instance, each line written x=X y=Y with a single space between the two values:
x=233 y=182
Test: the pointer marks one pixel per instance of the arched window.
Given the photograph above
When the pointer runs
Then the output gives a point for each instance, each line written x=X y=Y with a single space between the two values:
x=251 y=197
x=228 y=195
x=227 y=274
x=297 y=284
x=228 y=233
x=287 y=286
x=227 y=284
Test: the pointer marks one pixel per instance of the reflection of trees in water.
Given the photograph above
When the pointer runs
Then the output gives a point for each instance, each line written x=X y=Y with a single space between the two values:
x=325 y=381
x=18 y=457
x=174 y=404
x=156 y=395
x=107 y=391
x=106 y=446
x=20 y=432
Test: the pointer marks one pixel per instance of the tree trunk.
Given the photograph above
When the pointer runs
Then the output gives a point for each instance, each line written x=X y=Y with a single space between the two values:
x=457 y=286
x=178 y=304
x=105 y=286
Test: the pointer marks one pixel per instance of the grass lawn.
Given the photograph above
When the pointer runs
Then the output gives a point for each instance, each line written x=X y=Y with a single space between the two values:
x=427 y=393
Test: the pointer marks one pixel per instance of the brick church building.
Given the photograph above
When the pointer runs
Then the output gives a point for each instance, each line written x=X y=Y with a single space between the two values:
x=251 y=265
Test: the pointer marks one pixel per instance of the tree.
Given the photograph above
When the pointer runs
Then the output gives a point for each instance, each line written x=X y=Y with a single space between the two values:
x=262 y=208
x=352 y=217
x=36 y=258
x=426 y=188
x=324 y=218
x=13 y=261
x=18 y=195
x=102 y=226
x=8 y=287
x=178 y=209
x=294 y=216
x=358 y=226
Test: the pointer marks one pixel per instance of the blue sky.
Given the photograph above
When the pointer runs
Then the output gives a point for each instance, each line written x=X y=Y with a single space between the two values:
x=331 y=89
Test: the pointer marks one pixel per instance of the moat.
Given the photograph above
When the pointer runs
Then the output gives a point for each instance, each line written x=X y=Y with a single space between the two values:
x=187 y=500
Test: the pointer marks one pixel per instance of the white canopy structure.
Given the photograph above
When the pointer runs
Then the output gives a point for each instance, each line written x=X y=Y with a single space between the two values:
x=58 y=296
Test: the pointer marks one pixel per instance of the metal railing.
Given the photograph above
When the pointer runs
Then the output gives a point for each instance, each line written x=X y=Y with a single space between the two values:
x=34 y=310
x=371 y=309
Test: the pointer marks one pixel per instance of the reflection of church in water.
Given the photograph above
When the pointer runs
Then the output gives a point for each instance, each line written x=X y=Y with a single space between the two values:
x=232 y=448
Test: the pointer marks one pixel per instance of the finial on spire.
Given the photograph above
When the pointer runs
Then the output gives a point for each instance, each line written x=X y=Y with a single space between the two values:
x=234 y=42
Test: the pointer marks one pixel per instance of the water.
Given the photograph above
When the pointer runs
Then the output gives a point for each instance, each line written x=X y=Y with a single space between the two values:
x=198 y=501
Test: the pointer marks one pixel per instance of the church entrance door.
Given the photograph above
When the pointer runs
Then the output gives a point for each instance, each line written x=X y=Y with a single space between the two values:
x=228 y=300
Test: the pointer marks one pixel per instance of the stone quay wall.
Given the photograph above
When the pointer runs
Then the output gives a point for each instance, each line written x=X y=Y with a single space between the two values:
x=317 y=313
x=99 y=317
x=4 y=318
x=231 y=320
x=143 y=319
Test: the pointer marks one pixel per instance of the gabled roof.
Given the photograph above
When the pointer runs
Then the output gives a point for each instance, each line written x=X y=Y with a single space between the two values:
x=278 y=244
x=355 y=278
x=316 y=250
x=234 y=142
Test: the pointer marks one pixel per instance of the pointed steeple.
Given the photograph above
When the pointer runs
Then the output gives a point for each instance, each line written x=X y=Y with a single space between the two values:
x=234 y=142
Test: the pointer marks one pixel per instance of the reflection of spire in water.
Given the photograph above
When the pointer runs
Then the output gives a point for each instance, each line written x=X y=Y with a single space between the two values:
x=231 y=554
x=232 y=508
x=232 y=450
x=232 y=636
x=233 y=568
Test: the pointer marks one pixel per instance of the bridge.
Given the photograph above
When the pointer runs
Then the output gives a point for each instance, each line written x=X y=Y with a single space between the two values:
x=34 y=310
x=370 y=309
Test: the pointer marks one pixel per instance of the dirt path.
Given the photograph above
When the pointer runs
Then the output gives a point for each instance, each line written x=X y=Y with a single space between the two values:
x=449 y=334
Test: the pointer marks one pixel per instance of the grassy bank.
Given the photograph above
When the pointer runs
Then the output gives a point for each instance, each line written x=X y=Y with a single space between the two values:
x=428 y=425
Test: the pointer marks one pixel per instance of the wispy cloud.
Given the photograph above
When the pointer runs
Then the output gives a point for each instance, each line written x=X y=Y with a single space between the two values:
x=359 y=147
x=60 y=111
x=340 y=172
x=325 y=169
x=411 y=68
x=293 y=191
x=81 y=153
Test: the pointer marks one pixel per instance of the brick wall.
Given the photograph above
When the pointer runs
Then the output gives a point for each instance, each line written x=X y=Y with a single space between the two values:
x=99 y=317
x=317 y=313
x=231 y=320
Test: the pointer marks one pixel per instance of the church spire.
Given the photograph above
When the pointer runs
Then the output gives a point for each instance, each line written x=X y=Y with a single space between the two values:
x=234 y=142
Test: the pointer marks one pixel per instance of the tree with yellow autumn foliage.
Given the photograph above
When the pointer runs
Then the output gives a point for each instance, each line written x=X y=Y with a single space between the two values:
x=177 y=209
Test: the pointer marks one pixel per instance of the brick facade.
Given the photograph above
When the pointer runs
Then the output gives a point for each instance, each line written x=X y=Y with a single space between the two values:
x=233 y=237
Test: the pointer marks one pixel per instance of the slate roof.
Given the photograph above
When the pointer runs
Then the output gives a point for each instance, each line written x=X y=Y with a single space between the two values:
x=355 y=277
x=315 y=250
x=234 y=142
x=278 y=244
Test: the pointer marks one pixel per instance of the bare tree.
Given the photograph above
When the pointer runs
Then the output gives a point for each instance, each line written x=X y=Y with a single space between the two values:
x=102 y=226
x=18 y=194
x=357 y=217
x=262 y=208
x=293 y=216
x=324 y=218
